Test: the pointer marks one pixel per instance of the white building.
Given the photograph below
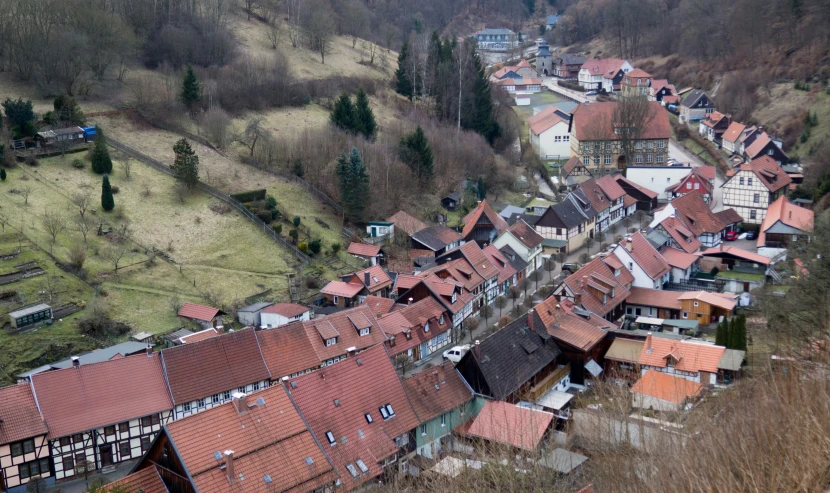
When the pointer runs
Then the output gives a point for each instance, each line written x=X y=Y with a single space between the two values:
x=657 y=178
x=525 y=241
x=549 y=134
x=603 y=73
x=496 y=39
x=649 y=268
x=753 y=187
x=280 y=314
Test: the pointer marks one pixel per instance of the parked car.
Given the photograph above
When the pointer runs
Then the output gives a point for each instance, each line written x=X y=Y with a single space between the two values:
x=571 y=267
x=751 y=235
x=731 y=236
x=455 y=353
x=591 y=93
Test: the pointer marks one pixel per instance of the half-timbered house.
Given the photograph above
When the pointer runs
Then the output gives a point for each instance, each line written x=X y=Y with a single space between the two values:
x=752 y=187
x=24 y=449
x=482 y=224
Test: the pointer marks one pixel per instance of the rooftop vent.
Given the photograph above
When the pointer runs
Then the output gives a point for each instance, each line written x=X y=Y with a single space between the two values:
x=266 y=478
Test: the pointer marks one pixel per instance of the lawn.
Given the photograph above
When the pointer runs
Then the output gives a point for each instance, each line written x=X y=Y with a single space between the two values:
x=740 y=276
x=538 y=101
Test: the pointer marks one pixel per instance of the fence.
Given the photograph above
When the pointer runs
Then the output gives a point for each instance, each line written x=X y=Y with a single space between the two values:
x=216 y=193
x=296 y=179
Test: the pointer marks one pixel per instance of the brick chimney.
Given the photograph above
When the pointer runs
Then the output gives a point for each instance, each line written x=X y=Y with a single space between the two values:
x=240 y=403
x=76 y=362
x=629 y=245
x=229 y=466
x=366 y=278
x=149 y=350
x=478 y=350
x=409 y=301
x=648 y=344
x=530 y=320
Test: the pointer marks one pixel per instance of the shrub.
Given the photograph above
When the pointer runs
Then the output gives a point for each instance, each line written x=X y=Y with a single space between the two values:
x=78 y=163
x=335 y=249
x=77 y=256
x=115 y=189
x=315 y=246
x=32 y=161
x=250 y=195
x=311 y=283
x=296 y=221
x=278 y=228
x=271 y=202
x=3 y=174
x=275 y=214
x=503 y=321
x=265 y=216
x=303 y=247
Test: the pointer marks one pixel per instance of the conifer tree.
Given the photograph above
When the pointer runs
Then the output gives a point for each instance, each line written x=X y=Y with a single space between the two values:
x=482 y=188
x=364 y=117
x=353 y=183
x=477 y=107
x=191 y=89
x=101 y=162
x=342 y=116
x=186 y=166
x=343 y=178
x=741 y=341
x=107 y=200
x=2 y=174
x=417 y=154
x=720 y=335
x=403 y=84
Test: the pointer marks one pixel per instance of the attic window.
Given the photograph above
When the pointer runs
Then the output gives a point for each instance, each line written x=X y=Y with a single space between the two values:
x=364 y=332
x=360 y=434
x=454 y=297
x=426 y=327
x=441 y=319
x=362 y=465
x=337 y=403
x=267 y=479
x=387 y=411
x=293 y=384
x=309 y=461
x=331 y=341
x=359 y=362
x=330 y=438
x=374 y=278
x=368 y=417
x=352 y=470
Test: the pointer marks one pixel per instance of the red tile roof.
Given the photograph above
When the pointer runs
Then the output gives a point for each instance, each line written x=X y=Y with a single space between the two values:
x=19 y=414
x=734 y=132
x=443 y=289
x=406 y=281
x=565 y=326
x=378 y=278
x=758 y=145
x=344 y=289
x=482 y=209
x=696 y=214
x=146 y=480
x=406 y=222
x=436 y=391
x=380 y=306
x=506 y=270
x=599 y=201
x=598 y=273
x=508 y=424
x=595 y=122
x=361 y=385
x=410 y=320
x=728 y=216
x=287 y=350
x=690 y=356
x=713 y=118
x=545 y=119
x=345 y=324
x=735 y=252
x=646 y=256
x=768 y=172
x=199 y=336
x=287 y=310
x=654 y=297
x=789 y=214
x=199 y=312
x=607 y=67
x=643 y=190
x=478 y=260
x=610 y=187
x=364 y=250
x=201 y=369
x=687 y=241
x=519 y=82
x=270 y=438
x=525 y=234
x=678 y=258
x=666 y=387
x=638 y=72
x=120 y=389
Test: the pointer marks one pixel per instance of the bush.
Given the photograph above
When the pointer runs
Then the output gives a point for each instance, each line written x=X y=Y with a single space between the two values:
x=303 y=247
x=573 y=86
x=77 y=256
x=278 y=228
x=250 y=195
x=275 y=214
x=315 y=246
x=265 y=216
x=32 y=161
x=503 y=321
x=271 y=202
x=296 y=221
x=78 y=163
x=115 y=189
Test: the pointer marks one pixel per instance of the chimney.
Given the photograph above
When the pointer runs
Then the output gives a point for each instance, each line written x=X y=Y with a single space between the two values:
x=478 y=350
x=149 y=350
x=76 y=362
x=791 y=214
x=229 y=466
x=648 y=342
x=366 y=278
x=557 y=307
x=409 y=301
x=351 y=351
x=629 y=245
x=578 y=299
x=530 y=320
x=240 y=403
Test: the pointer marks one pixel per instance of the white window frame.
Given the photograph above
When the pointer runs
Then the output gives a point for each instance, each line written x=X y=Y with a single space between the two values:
x=364 y=331
x=423 y=429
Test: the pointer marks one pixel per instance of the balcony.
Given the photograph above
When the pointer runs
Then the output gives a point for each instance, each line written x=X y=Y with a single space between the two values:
x=535 y=392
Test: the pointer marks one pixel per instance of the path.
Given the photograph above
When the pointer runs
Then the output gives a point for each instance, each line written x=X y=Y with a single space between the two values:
x=552 y=84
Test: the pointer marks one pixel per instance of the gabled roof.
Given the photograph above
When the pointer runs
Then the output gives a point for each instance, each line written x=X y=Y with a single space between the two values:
x=404 y=282
x=204 y=368
x=442 y=290
x=508 y=424
x=713 y=119
x=787 y=213
x=519 y=82
x=526 y=235
x=734 y=132
x=714 y=299
x=646 y=256
x=693 y=97
x=512 y=356
x=199 y=336
x=337 y=399
x=378 y=278
x=610 y=187
x=363 y=250
x=666 y=387
x=19 y=414
x=501 y=262
x=691 y=356
x=547 y=118
x=380 y=306
x=287 y=350
x=515 y=260
x=436 y=237
x=768 y=172
x=199 y=312
x=595 y=121
x=657 y=298
x=597 y=273
x=461 y=272
x=645 y=191
x=576 y=209
x=638 y=73
x=571 y=59
x=482 y=210
x=560 y=322
x=478 y=260
x=625 y=350
x=607 y=67
x=728 y=216
x=121 y=389
x=758 y=145
x=599 y=202
x=340 y=288
x=147 y=480
x=704 y=174
x=287 y=310
x=411 y=320
x=722 y=251
x=696 y=214
x=682 y=236
x=406 y=222
x=269 y=438
x=436 y=391
x=678 y=258
x=345 y=324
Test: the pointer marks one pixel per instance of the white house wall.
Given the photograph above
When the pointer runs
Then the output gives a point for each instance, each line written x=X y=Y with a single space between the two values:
x=546 y=143
x=742 y=197
x=271 y=320
x=207 y=402
x=10 y=465
x=641 y=279
x=657 y=178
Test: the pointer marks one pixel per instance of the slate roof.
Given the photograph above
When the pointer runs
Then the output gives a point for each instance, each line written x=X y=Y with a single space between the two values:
x=657 y=298
x=567 y=214
x=361 y=385
x=505 y=362
x=147 y=480
x=121 y=389
x=269 y=438
x=646 y=256
x=96 y=356
x=508 y=424
x=597 y=273
x=19 y=414
x=666 y=387
x=199 y=312
x=693 y=98
x=735 y=252
x=287 y=350
x=436 y=237
x=436 y=391
x=592 y=122
x=482 y=209
x=363 y=250
x=204 y=368
x=406 y=222
x=571 y=59
x=691 y=356
x=560 y=322
x=645 y=191
x=515 y=260
x=287 y=310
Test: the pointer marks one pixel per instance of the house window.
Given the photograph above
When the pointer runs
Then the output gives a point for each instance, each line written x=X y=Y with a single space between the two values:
x=566 y=138
x=660 y=158
x=661 y=144
x=596 y=160
x=330 y=438
x=454 y=297
x=688 y=186
x=423 y=429
x=109 y=430
x=441 y=319
x=685 y=315
x=649 y=145
x=638 y=159
x=145 y=444
x=631 y=266
x=426 y=327
x=756 y=198
x=752 y=214
x=200 y=403
x=215 y=398
x=444 y=419
x=186 y=407
x=78 y=438
x=336 y=299
x=607 y=147
x=607 y=159
x=226 y=395
x=586 y=160
x=68 y=463
x=695 y=303
x=64 y=441
x=124 y=427
x=749 y=181
x=364 y=332
x=649 y=158
x=638 y=145
x=33 y=468
x=741 y=180
x=368 y=417
x=124 y=449
x=352 y=470
x=331 y=341
x=697 y=186
x=151 y=420
x=362 y=465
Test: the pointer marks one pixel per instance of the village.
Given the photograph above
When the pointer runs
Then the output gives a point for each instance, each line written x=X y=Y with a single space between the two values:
x=496 y=332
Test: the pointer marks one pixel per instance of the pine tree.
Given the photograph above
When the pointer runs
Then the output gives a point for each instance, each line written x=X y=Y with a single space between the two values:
x=482 y=188
x=186 y=166
x=359 y=194
x=403 y=84
x=343 y=178
x=364 y=117
x=107 y=201
x=2 y=174
x=479 y=114
x=342 y=116
x=732 y=334
x=741 y=342
x=101 y=162
x=191 y=90
x=417 y=154
x=720 y=335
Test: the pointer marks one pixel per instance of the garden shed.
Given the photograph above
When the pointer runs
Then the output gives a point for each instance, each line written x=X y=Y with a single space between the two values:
x=30 y=315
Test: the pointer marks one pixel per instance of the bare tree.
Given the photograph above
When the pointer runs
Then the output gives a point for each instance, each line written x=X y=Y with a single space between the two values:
x=115 y=254
x=83 y=201
x=126 y=167
x=272 y=30
x=295 y=12
x=25 y=192
x=4 y=219
x=500 y=302
x=371 y=49
x=49 y=286
x=54 y=224
x=355 y=17
x=630 y=120
x=253 y=131
x=84 y=225
x=486 y=312
x=319 y=27
x=403 y=362
x=470 y=324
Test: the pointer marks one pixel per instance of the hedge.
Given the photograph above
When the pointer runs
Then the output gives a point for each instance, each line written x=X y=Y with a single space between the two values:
x=250 y=195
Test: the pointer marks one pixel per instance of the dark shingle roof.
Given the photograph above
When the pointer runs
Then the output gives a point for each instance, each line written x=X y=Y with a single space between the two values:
x=436 y=237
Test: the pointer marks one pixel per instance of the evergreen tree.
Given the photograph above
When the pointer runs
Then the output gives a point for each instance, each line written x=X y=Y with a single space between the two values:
x=101 y=162
x=479 y=108
x=364 y=117
x=482 y=188
x=530 y=5
x=107 y=201
x=2 y=174
x=191 y=90
x=720 y=335
x=417 y=154
x=186 y=166
x=343 y=178
x=403 y=84
x=342 y=116
x=741 y=342
x=353 y=183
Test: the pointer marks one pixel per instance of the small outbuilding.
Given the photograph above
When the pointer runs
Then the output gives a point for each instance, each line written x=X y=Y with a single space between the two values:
x=664 y=392
x=206 y=316
x=29 y=316
x=250 y=315
x=451 y=201
x=280 y=314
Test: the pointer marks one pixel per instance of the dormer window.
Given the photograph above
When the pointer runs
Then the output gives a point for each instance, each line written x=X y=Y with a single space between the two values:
x=616 y=272
x=454 y=297
x=441 y=319
x=364 y=332
x=331 y=341
x=426 y=327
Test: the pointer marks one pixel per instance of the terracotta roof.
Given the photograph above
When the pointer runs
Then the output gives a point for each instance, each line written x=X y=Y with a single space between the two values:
x=643 y=190
x=728 y=216
x=416 y=253
x=654 y=297
x=646 y=256
x=508 y=424
x=758 y=145
x=666 y=387
x=628 y=201
x=476 y=257
x=406 y=222
x=380 y=306
x=671 y=99
x=19 y=414
x=442 y=289
x=287 y=310
x=564 y=325
x=340 y=288
x=502 y=264
x=789 y=214
x=436 y=391
x=345 y=323
x=607 y=67
x=687 y=241
x=768 y=172
x=713 y=118
x=147 y=480
x=413 y=318
x=678 y=258
x=595 y=122
x=482 y=209
x=569 y=166
x=546 y=119
x=524 y=64
x=360 y=385
x=691 y=356
x=378 y=278
x=711 y=298
x=599 y=201
x=122 y=389
x=406 y=281
x=269 y=438
x=625 y=350
x=525 y=234
x=461 y=271
x=657 y=84
x=596 y=271
x=610 y=187
x=199 y=312
x=436 y=237
x=695 y=213
x=201 y=369
x=735 y=252
x=364 y=250
x=638 y=72
x=734 y=132
x=199 y=336
x=287 y=350
x=517 y=82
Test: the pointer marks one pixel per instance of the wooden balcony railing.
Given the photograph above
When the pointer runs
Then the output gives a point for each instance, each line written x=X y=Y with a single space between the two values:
x=547 y=383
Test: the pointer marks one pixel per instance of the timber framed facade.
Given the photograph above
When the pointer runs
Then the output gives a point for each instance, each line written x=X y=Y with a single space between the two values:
x=22 y=460
x=188 y=408
x=749 y=196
